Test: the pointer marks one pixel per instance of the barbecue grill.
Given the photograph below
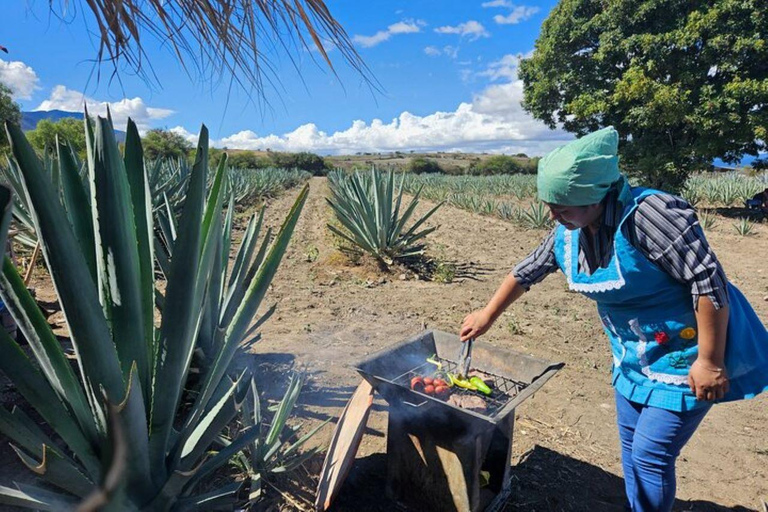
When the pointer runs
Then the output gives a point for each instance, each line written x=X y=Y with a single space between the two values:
x=440 y=456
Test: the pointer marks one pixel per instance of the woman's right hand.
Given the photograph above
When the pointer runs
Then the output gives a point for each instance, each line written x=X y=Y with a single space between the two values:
x=475 y=324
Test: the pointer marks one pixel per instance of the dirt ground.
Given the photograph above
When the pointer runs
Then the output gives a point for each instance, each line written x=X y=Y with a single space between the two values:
x=331 y=315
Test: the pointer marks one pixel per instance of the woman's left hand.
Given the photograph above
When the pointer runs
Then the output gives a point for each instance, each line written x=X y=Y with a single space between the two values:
x=708 y=381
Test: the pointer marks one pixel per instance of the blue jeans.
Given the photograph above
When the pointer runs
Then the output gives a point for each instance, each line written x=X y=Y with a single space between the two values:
x=651 y=440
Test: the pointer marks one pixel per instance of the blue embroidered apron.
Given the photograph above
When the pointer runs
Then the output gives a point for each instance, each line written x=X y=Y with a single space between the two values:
x=650 y=321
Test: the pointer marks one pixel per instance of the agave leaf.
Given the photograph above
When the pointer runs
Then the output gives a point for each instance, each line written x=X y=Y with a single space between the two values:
x=77 y=204
x=245 y=438
x=28 y=496
x=14 y=426
x=247 y=308
x=245 y=251
x=132 y=416
x=138 y=185
x=6 y=202
x=39 y=393
x=72 y=279
x=297 y=461
x=284 y=410
x=117 y=258
x=223 y=498
x=245 y=276
x=303 y=439
x=57 y=470
x=46 y=348
x=181 y=313
x=205 y=431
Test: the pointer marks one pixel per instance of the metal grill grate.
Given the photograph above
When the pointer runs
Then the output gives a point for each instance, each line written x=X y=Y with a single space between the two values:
x=503 y=389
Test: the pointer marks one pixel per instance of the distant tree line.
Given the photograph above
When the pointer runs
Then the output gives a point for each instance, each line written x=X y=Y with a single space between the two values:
x=160 y=143
x=495 y=164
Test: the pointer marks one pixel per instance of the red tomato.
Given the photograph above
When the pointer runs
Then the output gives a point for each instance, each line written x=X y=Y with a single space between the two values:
x=430 y=390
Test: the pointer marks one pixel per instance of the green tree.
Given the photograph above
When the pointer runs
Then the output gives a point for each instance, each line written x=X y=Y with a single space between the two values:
x=305 y=161
x=683 y=82
x=248 y=160
x=497 y=164
x=421 y=165
x=67 y=129
x=9 y=111
x=160 y=143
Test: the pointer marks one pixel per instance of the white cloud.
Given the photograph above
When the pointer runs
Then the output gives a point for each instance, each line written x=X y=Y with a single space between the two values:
x=505 y=68
x=471 y=29
x=20 y=78
x=494 y=121
x=68 y=100
x=518 y=14
x=180 y=130
x=448 y=50
x=401 y=27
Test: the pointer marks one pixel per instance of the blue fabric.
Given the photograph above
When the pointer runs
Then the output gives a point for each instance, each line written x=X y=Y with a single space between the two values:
x=646 y=314
x=651 y=439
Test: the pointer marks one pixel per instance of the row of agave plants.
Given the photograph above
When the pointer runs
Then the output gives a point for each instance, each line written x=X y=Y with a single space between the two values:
x=441 y=187
x=153 y=406
x=167 y=180
x=723 y=190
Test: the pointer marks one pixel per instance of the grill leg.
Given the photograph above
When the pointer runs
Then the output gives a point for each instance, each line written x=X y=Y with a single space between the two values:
x=433 y=469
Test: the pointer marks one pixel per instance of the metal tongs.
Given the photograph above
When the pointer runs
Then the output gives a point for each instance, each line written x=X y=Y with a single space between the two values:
x=465 y=357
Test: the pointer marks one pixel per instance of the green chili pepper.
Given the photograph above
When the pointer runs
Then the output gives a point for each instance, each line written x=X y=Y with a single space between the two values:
x=435 y=362
x=480 y=385
x=462 y=383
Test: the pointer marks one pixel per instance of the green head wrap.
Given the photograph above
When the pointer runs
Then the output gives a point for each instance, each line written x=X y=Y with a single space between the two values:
x=581 y=172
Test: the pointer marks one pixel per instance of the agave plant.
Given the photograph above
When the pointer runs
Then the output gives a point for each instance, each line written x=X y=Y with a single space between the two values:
x=368 y=207
x=707 y=220
x=536 y=216
x=744 y=226
x=131 y=378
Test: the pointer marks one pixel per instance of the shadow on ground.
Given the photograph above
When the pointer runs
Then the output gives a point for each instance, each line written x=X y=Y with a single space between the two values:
x=543 y=481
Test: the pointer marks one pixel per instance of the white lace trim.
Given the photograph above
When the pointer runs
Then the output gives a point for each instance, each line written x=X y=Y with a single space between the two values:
x=589 y=287
x=666 y=378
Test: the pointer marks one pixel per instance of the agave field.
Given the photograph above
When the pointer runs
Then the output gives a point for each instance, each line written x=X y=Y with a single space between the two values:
x=160 y=296
x=723 y=190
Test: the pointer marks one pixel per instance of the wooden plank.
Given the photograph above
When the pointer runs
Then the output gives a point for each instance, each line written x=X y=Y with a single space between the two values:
x=344 y=445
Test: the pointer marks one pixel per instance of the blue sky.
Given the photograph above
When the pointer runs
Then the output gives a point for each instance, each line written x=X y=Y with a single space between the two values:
x=447 y=70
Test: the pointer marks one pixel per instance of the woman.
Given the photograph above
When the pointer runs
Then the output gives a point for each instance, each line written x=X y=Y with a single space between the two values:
x=681 y=335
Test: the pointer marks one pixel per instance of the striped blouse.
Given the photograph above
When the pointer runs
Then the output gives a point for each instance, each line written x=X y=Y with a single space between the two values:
x=664 y=228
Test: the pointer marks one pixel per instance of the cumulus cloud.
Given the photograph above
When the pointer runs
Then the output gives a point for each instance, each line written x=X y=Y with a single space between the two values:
x=472 y=29
x=505 y=68
x=402 y=27
x=494 y=121
x=518 y=14
x=20 y=78
x=68 y=100
x=449 y=51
